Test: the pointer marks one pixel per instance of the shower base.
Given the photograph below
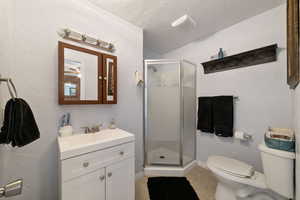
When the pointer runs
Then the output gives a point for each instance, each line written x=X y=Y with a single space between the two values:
x=164 y=156
x=167 y=154
x=169 y=170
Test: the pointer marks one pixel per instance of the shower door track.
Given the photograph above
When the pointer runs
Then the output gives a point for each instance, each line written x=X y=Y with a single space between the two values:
x=165 y=165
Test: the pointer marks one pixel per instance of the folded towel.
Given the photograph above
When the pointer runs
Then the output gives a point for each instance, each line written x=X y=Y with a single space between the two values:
x=19 y=126
x=223 y=115
x=205 y=114
x=280 y=133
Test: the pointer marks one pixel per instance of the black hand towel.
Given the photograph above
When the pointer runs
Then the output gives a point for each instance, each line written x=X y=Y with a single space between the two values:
x=205 y=114
x=19 y=126
x=223 y=115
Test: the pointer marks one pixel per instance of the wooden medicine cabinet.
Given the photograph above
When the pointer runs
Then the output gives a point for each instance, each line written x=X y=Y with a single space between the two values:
x=86 y=76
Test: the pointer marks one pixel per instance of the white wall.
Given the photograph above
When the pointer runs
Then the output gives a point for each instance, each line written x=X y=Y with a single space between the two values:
x=5 y=57
x=265 y=98
x=296 y=126
x=29 y=56
x=150 y=54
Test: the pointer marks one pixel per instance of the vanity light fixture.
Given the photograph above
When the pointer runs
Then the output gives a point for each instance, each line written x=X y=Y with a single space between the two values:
x=85 y=39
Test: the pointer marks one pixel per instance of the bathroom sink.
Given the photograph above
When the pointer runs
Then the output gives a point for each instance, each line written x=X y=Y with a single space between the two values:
x=78 y=144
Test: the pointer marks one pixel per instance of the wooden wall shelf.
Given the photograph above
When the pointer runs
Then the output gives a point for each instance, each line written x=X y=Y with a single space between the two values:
x=245 y=59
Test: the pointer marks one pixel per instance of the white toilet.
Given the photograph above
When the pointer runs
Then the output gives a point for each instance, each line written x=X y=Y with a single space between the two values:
x=238 y=180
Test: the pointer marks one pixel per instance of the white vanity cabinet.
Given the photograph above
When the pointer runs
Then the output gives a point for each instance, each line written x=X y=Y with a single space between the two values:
x=120 y=181
x=89 y=186
x=100 y=169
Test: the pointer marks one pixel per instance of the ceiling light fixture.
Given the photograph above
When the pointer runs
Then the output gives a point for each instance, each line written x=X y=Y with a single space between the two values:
x=184 y=20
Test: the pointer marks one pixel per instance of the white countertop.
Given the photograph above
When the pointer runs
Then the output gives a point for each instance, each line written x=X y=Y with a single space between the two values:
x=79 y=144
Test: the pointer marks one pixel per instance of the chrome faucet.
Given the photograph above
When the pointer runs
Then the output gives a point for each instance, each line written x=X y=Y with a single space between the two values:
x=93 y=129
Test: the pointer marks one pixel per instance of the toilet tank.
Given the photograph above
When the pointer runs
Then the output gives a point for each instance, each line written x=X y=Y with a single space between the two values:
x=278 y=170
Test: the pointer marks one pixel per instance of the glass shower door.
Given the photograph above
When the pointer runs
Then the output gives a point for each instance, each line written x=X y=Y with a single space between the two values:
x=162 y=107
x=188 y=84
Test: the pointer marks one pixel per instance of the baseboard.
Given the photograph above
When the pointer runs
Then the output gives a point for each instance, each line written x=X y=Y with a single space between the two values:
x=190 y=166
x=202 y=164
x=139 y=175
x=169 y=171
x=164 y=171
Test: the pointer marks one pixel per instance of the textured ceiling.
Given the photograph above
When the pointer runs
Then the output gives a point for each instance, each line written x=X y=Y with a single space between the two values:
x=156 y=16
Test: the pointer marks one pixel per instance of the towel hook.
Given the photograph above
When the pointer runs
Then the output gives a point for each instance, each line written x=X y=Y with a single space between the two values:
x=14 y=87
x=11 y=87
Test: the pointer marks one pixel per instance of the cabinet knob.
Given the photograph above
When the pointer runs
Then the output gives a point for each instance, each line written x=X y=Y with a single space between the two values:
x=100 y=77
x=86 y=164
x=109 y=174
x=105 y=78
x=121 y=153
x=102 y=178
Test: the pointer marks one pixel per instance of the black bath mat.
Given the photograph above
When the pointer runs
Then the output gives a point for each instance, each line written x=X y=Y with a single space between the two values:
x=171 y=188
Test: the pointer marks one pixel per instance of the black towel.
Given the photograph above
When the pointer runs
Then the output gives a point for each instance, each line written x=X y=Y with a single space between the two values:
x=205 y=114
x=223 y=115
x=19 y=126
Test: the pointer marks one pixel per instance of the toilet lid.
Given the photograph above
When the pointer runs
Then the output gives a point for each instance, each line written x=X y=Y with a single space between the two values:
x=231 y=166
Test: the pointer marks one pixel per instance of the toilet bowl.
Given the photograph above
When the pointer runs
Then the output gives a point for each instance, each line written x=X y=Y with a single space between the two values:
x=233 y=182
x=239 y=181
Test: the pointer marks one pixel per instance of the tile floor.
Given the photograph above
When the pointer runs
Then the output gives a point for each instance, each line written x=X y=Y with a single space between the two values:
x=202 y=180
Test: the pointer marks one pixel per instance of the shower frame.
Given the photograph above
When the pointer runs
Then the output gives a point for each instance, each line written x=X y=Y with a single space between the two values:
x=181 y=97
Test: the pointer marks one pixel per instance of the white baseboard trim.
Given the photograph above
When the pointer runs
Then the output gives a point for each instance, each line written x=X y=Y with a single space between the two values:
x=202 y=164
x=169 y=171
x=166 y=171
x=139 y=175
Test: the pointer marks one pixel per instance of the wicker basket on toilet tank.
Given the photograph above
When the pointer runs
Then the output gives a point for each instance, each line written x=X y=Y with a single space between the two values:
x=280 y=139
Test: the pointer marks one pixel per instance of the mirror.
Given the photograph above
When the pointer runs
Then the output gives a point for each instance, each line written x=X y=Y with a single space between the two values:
x=79 y=71
x=80 y=75
x=110 y=77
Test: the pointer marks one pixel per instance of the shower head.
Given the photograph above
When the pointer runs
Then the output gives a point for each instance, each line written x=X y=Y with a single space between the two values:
x=154 y=69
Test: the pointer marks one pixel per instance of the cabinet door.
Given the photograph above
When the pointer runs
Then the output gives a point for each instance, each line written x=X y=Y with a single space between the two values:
x=110 y=79
x=120 y=181
x=80 y=75
x=87 y=187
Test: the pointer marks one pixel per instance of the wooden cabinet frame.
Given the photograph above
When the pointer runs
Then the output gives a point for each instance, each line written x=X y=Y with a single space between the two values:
x=106 y=79
x=102 y=79
x=293 y=43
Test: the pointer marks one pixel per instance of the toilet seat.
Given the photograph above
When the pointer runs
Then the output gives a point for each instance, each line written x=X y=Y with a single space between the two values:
x=236 y=171
x=231 y=166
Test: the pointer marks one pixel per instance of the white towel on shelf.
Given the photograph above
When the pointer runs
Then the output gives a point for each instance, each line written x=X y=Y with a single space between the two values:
x=280 y=131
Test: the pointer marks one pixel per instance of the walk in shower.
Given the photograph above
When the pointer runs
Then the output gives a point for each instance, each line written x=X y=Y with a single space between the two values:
x=169 y=114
